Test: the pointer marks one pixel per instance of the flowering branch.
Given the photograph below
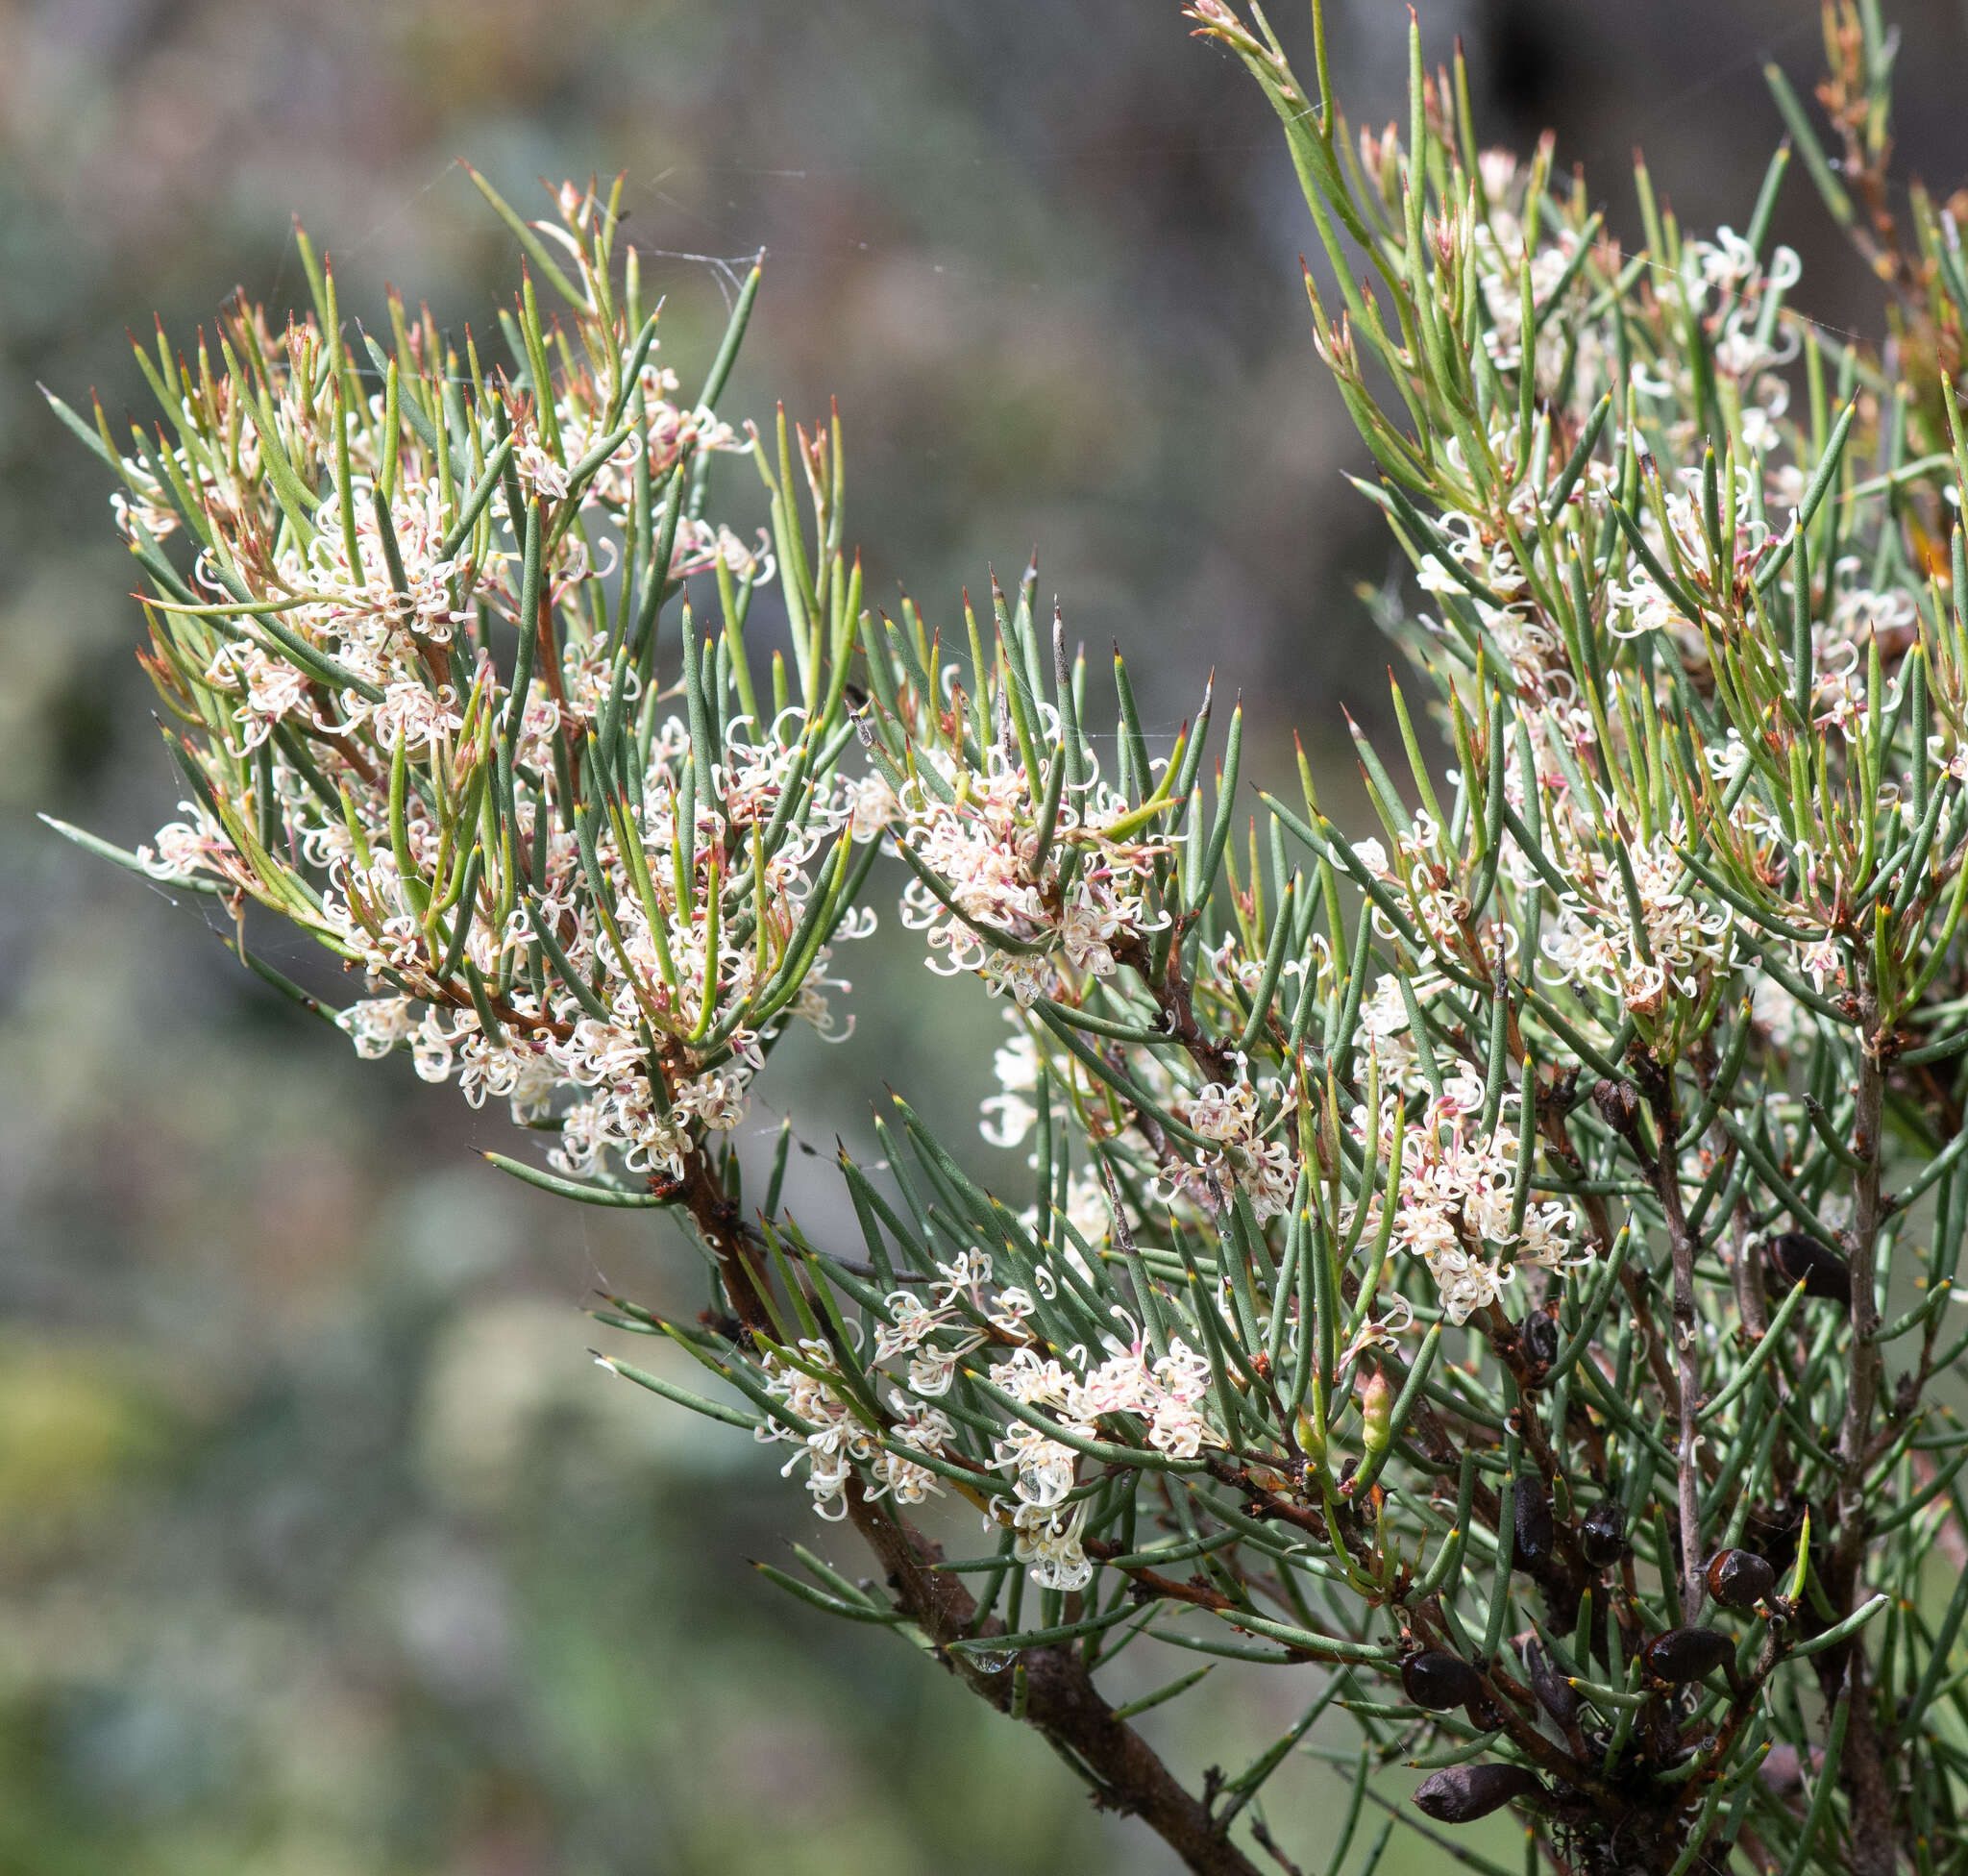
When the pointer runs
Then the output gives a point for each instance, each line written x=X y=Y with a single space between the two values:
x=1320 y=1331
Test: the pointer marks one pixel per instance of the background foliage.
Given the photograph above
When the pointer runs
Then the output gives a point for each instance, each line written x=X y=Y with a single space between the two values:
x=321 y=1546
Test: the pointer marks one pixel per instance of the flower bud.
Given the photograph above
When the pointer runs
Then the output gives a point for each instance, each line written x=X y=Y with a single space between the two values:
x=1688 y=1654
x=1460 y=1794
x=1437 y=1681
x=1311 y=1442
x=1740 y=1579
x=1376 y=1413
x=1379 y=155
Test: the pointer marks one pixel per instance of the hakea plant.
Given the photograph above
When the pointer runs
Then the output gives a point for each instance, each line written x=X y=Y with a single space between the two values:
x=1500 y=1264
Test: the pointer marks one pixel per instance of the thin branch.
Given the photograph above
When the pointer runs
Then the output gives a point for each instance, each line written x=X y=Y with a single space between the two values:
x=1060 y=1698
x=1620 y=1111
x=1862 y=1770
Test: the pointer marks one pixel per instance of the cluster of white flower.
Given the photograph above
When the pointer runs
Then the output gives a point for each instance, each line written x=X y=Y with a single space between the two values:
x=642 y=955
x=1430 y=880
x=982 y=844
x=1480 y=552
x=840 y=1436
x=1383 y=1019
x=1480 y=547
x=1458 y=1185
x=1170 y=1392
x=1642 y=601
x=185 y=848
x=933 y=1364
x=1499 y=242
x=1748 y=345
x=1242 y=1151
x=668 y=434
x=1454 y=1209
x=517 y=902
x=1857 y=615
x=1595 y=942
x=927 y=1429
x=1738 y=302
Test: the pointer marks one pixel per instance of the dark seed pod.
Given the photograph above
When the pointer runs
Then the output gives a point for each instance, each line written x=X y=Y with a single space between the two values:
x=1795 y=1256
x=1688 y=1654
x=1555 y=1694
x=1740 y=1579
x=1602 y=1533
x=1438 y=1681
x=1540 y=1338
x=1532 y=1518
x=1460 y=1794
x=1619 y=1102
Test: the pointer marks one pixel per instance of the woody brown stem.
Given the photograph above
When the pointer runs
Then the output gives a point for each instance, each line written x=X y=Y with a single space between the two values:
x=1173 y=997
x=1682 y=1248
x=739 y=1258
x=1060 y=1698
x=1862 y=1770
x=1653 y=1347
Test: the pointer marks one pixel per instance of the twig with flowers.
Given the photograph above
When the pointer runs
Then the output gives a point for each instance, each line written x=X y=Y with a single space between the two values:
x=1327 y=1334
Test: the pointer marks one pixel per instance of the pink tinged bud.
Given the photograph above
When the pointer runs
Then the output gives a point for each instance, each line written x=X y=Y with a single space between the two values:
x=1305 y=1430
x=1376 y=1413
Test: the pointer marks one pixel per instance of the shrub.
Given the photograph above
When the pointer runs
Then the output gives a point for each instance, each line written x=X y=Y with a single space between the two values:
x=1503 y=1260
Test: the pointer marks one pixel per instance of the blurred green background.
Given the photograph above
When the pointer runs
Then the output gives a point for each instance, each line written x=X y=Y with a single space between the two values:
x=323 y=1548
